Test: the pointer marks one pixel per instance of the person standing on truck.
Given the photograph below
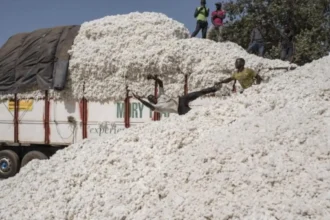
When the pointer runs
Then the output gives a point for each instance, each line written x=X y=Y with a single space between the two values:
x=217 y=17
x=165 y=104
x=245 y=76
x=257 y=41
x=201 y=14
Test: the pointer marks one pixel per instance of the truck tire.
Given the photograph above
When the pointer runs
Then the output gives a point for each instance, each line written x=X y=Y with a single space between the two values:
x=31 y=156
x=9 y=164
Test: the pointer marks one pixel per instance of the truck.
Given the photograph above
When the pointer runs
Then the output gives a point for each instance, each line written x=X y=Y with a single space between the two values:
x=35 y=129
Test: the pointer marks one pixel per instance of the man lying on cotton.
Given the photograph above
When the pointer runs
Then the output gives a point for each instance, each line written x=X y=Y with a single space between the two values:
x=165 y=104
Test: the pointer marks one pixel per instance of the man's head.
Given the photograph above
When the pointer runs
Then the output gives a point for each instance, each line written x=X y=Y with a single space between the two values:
x=239 y=63
x=218 y=5
x=287 y=28
x=256 y=24
x=152 y=99
x=203 y=2
x=259 y=23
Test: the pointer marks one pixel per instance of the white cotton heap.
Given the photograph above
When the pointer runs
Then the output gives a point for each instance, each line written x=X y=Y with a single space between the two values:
x=110 y=53
x=263 y=154
x=116 y=51
x=113 y=52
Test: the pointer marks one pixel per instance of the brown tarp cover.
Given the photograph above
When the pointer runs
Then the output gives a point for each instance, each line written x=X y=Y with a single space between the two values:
x=35 y=59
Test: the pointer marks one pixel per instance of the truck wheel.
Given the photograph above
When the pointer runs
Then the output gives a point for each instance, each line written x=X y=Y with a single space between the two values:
x=31 y=156
x=9 y=164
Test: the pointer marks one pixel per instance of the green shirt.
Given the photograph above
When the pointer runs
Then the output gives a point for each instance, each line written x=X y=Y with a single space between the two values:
x=245 y=78
x=202 y=14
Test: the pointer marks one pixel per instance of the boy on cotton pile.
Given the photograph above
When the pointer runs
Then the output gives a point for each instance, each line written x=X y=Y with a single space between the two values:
x=165 y=104
x=245 y=76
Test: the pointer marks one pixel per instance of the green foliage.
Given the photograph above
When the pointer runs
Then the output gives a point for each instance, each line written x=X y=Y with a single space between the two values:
x=309 y=20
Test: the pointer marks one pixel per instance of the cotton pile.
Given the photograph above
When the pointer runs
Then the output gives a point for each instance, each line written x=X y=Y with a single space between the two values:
x=110 y=53
x=263 y=154
x=115 y=52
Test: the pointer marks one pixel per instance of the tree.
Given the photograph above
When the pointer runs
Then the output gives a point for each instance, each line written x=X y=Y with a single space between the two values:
x=309 y=20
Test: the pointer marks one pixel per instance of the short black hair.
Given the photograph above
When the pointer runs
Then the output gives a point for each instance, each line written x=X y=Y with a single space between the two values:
x=240 y=60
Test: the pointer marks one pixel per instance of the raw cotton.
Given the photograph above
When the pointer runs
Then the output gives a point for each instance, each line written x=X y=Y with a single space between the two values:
x=260 y=155
x=115 y=52
x=110 y=53
x=32 y=93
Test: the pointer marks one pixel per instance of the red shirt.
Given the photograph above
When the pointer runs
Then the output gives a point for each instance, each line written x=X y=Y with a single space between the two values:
x=218 y=21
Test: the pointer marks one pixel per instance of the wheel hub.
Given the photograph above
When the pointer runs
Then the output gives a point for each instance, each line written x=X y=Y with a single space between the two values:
x=5 y=165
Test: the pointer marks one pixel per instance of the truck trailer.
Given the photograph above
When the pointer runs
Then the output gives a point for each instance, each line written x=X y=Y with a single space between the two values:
x=36 y=129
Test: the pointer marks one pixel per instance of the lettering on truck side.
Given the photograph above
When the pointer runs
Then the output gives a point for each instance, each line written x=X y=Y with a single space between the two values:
x=105 y=130
x=136 y=110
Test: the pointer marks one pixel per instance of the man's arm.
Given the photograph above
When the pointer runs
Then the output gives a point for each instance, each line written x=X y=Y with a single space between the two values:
x=213 y=16
x=228 y=80
x=207 y=12
x=256 y=75
x=234 y=86
x=252 y=35
x=197 y=11
x=159 y=82
x=144 y=102
x=161 y=87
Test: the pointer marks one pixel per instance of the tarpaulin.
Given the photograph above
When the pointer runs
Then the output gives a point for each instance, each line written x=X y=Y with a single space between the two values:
x=38 y=59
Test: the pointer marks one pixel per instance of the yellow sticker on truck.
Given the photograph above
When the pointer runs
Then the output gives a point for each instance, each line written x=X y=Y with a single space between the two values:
x=24 y=105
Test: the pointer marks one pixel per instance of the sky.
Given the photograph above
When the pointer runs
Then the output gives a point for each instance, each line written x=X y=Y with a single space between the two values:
x=18 y=16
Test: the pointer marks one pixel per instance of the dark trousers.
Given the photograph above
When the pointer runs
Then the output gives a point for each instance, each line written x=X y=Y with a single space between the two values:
x=287 y=53
x=186 y=99
x=200 y=25
x=258 y=47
